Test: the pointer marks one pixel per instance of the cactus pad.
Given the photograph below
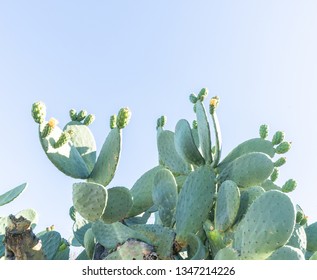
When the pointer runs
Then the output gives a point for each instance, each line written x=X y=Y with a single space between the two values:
x=185 y=144
x=267 y=225
x=227 y=205
x=90 y=200
x=118 y=206
x=194 y=202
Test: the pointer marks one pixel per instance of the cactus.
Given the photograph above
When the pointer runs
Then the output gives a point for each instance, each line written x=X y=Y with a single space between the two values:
x=12 y=194
x=205 y=206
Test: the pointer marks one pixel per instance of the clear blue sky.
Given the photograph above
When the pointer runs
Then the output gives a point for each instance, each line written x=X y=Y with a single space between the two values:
x=259 y=57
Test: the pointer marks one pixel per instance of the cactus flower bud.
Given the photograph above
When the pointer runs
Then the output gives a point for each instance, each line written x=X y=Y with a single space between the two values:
x=213 y=104
x=39 y=112
x=161 y=121
x=202 y=94
x=281 y=161
x=124 y=116
x=304 y=221
x=81 y=115
x=278 y=137
x=274 y=174
x=283 y=147
x=113 y=121
x=264 y=131
x=289 y=186
x=89 y=119
x=193 y=98
x=48 y=128
x=72 y=213
x=63 y=139
x=73 y=114
x=195 y=124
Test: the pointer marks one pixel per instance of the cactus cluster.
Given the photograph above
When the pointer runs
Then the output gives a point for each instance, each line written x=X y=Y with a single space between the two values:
x=204 y=206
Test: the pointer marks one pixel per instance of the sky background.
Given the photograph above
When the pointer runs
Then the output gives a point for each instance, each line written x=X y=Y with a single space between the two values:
x=259 y=57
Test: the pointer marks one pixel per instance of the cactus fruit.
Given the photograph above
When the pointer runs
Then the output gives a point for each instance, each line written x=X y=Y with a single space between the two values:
x=289 y=186
x=283 y=147
x=123 y=118
x=264 y=131
x=278 y=138
x=39 y=112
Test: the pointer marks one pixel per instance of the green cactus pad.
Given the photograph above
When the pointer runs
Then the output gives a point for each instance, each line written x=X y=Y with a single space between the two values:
x=141 y=192
x=165 y=196
x=267 y=225
x=66 y=158
x=2 y=248
x=89 y=243
x=253 y=145
x=168 y=155
x=29 y=214
x=110 y=235
x=108 y=159
x=227 y=253
x=298 y=238
x=160 y=237
x=313 y=257
x=227 y=205
x=90 y=200
x=268 y=185
x=82 y=256
x=311 y=233
x=185 y=144
x=132 y=250
x=248 y=170
x=79 y=229
x=287 y=253
x=84 y=142
x=12 y=194
x=194 y=202
x=62 y=254
x=50 y=243
x=196 y=250
x=203 y=132
x=119 y=204
x=246 y=199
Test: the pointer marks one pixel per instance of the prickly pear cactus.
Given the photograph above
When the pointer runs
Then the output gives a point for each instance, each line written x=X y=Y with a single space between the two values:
x=203 y=206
